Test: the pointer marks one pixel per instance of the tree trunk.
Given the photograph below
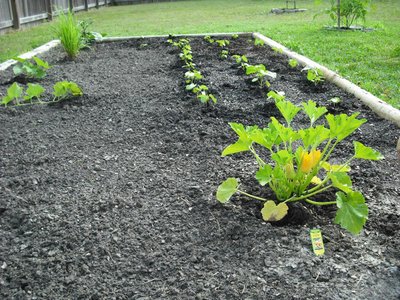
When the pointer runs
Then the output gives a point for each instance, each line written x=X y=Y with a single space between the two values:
x=338 y=13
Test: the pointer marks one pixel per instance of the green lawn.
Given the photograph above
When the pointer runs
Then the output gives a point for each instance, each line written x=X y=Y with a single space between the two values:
x=369 y=59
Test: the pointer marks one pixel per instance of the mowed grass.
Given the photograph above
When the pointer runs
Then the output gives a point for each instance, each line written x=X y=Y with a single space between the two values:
x=369 y=59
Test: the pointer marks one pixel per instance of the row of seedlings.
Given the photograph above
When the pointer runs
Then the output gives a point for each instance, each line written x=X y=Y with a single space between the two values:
x=259 y=72
x=193 y=76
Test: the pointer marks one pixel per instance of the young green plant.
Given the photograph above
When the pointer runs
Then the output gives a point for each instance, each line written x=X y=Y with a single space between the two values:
x=192 y=78
x=299 y=168
x=293 y=63
x=203 y=95
x=222 y=43
x=32 y=95
x=31 y=70
x=261 y=74
x=314 y=75
x=241 y=60
x=224 y=54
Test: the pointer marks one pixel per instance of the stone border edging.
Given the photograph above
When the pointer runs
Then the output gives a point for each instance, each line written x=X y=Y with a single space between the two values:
x=378 y=106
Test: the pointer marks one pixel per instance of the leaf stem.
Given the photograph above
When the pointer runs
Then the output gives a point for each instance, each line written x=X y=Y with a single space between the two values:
x=294 y=199
x=258 y=158
x=320 y=203
x=252 y=196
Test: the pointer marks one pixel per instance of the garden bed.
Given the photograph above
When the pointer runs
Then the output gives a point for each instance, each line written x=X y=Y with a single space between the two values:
x=112 y=195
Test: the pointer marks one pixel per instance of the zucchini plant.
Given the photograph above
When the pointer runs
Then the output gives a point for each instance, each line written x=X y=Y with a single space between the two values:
x=299 y=167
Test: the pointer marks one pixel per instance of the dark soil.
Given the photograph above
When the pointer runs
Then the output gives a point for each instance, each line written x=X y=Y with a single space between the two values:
x=112 y=195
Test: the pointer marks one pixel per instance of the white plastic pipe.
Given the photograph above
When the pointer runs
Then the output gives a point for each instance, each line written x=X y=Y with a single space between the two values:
x=126 y=38
x=380 y=107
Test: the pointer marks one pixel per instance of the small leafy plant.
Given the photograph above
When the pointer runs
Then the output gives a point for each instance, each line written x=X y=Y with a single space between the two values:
x=208 y=39
x=235 y=36
x=222 y=43
x=87 y=37
x=32 y=70
x=299 y=167
x=314 y=75
x=192 y=77
x=293 y=63
x=224 y=54
x=65 y=89
x=258 y=42
x=261 y=74
x=277 y=50
x=240 y=59
x=203 y=95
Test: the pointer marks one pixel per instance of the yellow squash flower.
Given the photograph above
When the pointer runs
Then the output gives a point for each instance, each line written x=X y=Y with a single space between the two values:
x=310 y=160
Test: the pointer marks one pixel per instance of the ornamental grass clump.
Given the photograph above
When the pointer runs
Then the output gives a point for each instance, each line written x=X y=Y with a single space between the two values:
x=68 y=31
x=299 y=168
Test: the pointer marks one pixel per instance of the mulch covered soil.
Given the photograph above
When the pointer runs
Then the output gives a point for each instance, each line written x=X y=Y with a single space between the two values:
x=112 y=195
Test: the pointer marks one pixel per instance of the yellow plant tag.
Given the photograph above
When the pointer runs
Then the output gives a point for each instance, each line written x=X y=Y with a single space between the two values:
x=317 y=242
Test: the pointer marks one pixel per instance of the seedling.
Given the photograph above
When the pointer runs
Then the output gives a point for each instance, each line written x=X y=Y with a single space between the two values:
x=65 y=89
x=193 y=76
x=277 y=50
x=260 y=73
x=241 y=60
x=293 y=63
x=192 y=79
x=258 y=42
x=299 y=167
x=222 y=43
x=203 y=95
x=314 y=75
x=235 y=36
x=32 y=70
x=88 y=37
x=335 y=100
x=208 y=39
x=224 y=54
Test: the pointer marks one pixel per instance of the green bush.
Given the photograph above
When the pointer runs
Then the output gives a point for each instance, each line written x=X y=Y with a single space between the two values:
x=69 y=33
